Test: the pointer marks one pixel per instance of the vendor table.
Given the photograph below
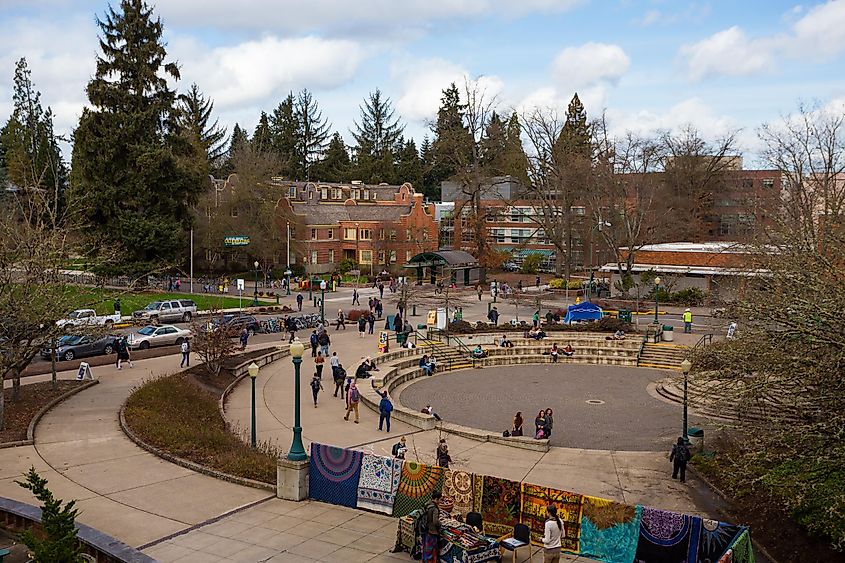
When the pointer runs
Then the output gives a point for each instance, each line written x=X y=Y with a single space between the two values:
x=459 y=542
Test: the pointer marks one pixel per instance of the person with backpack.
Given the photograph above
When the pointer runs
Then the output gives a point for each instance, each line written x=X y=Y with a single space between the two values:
x=353 y=397
x=385 y=407
x=324 y=341
x=429 y=527
x=679 y=457
x=341 y=320
x=186 y=354
x=399 y=448
x=244 y=338
x=553 y=532
x=493 y=316
x=371 y=322
x=123 y=353
x=313 y=340
x=299 y=300
x=316 y=387
x=362 y=325
x=442 y=453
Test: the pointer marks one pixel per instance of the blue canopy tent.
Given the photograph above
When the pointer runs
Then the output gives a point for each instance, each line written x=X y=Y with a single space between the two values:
x=582 y=312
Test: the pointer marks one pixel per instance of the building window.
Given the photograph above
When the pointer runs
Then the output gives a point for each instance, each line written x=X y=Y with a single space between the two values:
x=425 y=234
x=292 y=191
x=578 y=210
x=373 y=195
x=330 y=234
x=392 y=256
x=366 y=257
x=366 y=194
x=392 y=234
x=331 y=256
x=366 y=234
x=408 y=235
x=337 y=193
x=349 y=234
x=381 y=234
x=381 y=256
x=313 y=256
x=768 y=183
x=234 y=212
x=313 y=234
x=356 y=194
x=407 y=256
x=324 y=193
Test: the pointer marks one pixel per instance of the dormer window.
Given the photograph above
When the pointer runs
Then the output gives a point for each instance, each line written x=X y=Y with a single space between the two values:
x=292 y=191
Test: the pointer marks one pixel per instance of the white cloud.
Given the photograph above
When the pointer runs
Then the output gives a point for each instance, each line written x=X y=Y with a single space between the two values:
x=693 y=12
x=729 y=52
x=589 y=64
x=690 y=111
x=819 y=35
x=252 y=71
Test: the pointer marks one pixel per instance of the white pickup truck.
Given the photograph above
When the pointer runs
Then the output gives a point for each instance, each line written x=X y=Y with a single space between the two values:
x=88 y=317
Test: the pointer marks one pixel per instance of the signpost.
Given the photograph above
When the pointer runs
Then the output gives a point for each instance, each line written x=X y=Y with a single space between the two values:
x=240 y=282
x=236 y=240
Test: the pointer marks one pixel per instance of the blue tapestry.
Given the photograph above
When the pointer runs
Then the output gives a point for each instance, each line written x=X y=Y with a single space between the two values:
x=666 y=537
x=333 y=475
x=714 y=539
x=610 y=530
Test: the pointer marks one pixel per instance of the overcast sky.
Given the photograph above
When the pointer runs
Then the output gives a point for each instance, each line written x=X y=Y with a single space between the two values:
x=649 y=64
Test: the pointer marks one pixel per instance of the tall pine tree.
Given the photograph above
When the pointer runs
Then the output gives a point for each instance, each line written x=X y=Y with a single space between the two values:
x=409 y=167
x=137 y=174
x=312 y=133
x=30 y=153
x=376 y=134
x=195 y=120
x=452 y=147
x=261 y=137
x=283 y=133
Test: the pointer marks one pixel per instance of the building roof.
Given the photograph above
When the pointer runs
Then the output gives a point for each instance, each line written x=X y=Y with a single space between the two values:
x=712 y=247
x=701 y=258
x=443 y=257
x=335 y=213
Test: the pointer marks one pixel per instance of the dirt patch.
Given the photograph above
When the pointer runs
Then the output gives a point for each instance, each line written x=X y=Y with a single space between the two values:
x=33 y=398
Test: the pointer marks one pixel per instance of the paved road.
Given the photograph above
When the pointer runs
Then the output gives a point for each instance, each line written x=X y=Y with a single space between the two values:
x=629 y=418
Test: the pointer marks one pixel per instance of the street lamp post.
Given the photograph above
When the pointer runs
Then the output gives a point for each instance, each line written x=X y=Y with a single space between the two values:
x=656 y=298
x=495 y=290
x=255 y=294
x=253 y=374
x=323 y=302
x=686 y=366
x=287 y=277
x=297 y=449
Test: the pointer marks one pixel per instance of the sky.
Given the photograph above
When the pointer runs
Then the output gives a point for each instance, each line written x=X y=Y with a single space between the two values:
x=649 y=65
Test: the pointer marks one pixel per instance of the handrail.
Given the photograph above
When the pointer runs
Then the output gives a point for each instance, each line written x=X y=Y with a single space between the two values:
x=702 y=342
x=643 y=343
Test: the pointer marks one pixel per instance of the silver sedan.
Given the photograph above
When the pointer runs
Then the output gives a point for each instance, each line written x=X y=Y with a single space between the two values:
x=166 y=335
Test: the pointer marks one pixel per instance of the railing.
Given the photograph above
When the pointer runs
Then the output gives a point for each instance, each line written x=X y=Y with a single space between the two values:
x=704 y=341
x=648 y=335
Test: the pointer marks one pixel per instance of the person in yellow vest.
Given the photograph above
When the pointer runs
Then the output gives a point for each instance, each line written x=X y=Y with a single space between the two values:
x=687 y=321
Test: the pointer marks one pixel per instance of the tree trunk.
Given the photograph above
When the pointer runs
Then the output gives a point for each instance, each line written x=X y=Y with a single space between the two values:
x=54 y=378
x=16 y=385
x=2 y=404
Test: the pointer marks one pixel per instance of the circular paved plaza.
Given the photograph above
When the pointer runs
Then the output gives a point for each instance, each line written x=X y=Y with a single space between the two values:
x=628 y=418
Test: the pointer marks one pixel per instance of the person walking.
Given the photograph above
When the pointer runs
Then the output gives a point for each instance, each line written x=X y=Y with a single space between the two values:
x=324 y=341
x=379 y=308
x=549 y=419
x=536 y=319
x=443 y=457
x=687 y=321
x=679 y=457
x=431 y=533
x=299 y=300
x=318 y=364
x=338 y=376
x=380 y=290
x=385 y=407
x=371 y=322
x=117 y=306
x=537 y=282
x=399 y=448
x=186 y=354
x=478 y=291
x=244 y=338
x=353 y=397
x=123 y=353
x=493 y=316
x=292 y=330
x=552 y=534
x=362 y=325
x=517 y=424
x=313 y=340
x=341 y=320
x=355 y=296
x=316 y=387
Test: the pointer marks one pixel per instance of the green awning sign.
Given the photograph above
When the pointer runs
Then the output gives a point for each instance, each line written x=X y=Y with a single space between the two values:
x=241 y=240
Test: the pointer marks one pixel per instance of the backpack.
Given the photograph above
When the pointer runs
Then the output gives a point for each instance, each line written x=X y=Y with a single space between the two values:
x=681 y=453
x=354 y=395
x=315 y=384
x=313 y=339
x=422 y=522
x=185 y=347
x=506 y=434
x=386 y=406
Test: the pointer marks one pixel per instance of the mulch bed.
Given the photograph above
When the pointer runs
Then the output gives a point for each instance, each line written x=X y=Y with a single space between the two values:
x=33 y=398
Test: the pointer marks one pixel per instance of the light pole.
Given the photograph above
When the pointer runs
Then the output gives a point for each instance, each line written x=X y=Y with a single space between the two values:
x=598 y=226
x=253 y=373
x=495 y=290
x=297 y=450
x=357 y=255
x=656 y=298
x=686 y=366
x=287 y=277
x=255 y=294
x=323 y=302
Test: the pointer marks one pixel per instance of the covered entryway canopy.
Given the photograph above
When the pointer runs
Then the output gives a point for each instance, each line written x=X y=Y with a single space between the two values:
x=448 y=266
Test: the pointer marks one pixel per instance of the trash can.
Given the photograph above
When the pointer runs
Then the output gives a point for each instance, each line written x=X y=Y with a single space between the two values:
x=401 y=338
x=696 y=437
x=624 y=315
x=668 y=333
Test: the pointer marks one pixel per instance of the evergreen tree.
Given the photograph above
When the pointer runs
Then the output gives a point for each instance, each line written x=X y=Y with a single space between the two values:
x=409 y=167
x=261 y=138
x=453 y=144
x=239 y=140
x=283 y=131
x=312 y=133
x=195 y=121
x=430 y=188
x=335 y=165
x=574 y=137
x=515 y=159
x=137 y=174
x=30 y=152
x=493 y=146
x=376 y=139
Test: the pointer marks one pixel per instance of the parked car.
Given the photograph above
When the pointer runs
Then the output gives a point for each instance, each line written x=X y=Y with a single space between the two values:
x=235 y=323
x=166 y=311
x=510 y=267
x=73 y=346
x=88 y=317
x=166 y=335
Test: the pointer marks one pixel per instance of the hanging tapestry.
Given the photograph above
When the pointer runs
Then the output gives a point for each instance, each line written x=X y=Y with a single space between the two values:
x=535 y=499
x=416 y=484
x=715 y=538
x=741 y=549
x=458 y=486
x=378 y=483
x=498 y=502
x=665 y=537
x=333 y=475
x=609 y=530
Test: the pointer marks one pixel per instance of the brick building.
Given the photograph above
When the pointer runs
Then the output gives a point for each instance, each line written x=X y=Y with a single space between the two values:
x=375 y=226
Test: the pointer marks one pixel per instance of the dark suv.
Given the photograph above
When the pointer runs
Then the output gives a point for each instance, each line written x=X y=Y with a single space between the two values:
x=235 y=323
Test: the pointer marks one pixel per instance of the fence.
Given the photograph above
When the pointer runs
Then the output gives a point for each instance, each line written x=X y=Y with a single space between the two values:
x=594 y=528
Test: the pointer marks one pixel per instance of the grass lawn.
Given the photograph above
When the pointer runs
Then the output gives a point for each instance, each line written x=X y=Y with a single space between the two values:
x=179 y=417
x=102 y=300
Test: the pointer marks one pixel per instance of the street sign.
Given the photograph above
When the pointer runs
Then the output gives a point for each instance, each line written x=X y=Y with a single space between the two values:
x=240 y=284
x=238 y=240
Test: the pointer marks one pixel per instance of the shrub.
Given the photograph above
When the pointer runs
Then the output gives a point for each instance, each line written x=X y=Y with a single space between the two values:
x=354 y=314
x=576 y=284
x=560 y=283
x=531 y=263
x=58 y=542
x=345 y=265
x=557 y=283
x=611 y=324
x=690 y=296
